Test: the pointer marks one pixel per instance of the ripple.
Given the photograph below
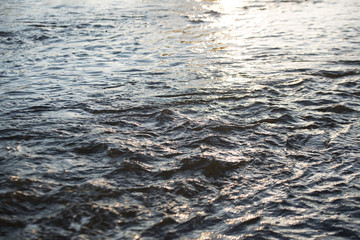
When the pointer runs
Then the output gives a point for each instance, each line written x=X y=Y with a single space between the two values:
x=179 y=120
x=337 y=109
x=336 y=74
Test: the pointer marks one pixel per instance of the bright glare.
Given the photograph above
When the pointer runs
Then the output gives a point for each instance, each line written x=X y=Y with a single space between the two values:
x=227 y=3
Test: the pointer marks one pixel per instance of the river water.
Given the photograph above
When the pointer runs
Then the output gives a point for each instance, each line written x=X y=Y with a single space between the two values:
x=179 y=119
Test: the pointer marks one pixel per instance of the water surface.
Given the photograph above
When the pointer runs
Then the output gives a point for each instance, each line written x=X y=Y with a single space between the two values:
x=168 y=119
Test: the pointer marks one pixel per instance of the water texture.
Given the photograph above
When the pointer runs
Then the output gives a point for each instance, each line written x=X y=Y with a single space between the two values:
x=175 y=119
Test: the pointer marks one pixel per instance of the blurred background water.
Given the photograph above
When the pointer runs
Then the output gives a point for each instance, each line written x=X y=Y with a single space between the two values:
x=166 y=119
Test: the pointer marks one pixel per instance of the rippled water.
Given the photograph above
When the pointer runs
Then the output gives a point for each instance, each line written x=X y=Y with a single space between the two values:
x=165 y=119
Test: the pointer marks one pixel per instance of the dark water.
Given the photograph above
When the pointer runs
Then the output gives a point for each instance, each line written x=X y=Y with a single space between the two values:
x=166 y=119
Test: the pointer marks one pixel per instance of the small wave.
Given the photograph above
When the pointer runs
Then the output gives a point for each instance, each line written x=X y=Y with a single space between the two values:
x=120 y=123
x=196 y=222
x=338 y=108
x=348 y=62
x=90 y=148
x=21 y=136
x=210 y=166
x=41 y=37
x=228 y=128
x=196 y=21
x=158 y=229
x=336 y=74
x=213 y=13
x=349 y=84
x=297 y=141
x=240 y=227
x=165 y=116
x=133 y=165
x=41 y=108
x=284 y=119
x=6 y=34
x=315 y=102
x=214 y=141
x=11 y=222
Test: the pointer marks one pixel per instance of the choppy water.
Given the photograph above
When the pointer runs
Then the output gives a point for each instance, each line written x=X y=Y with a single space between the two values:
x=166 y=119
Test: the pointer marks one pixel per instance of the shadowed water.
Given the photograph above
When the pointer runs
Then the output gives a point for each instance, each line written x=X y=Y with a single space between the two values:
x=168 y=119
